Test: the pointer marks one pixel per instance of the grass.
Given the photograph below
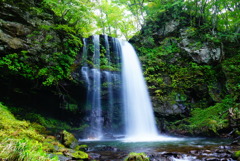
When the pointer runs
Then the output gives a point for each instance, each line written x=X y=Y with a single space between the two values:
x=21 y=140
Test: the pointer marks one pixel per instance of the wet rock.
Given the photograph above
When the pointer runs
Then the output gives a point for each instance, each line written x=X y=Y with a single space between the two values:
x=108 y=148
x=63 y=158
x=194 y=152
x=82 y=148
x=220 y=151
x=225 y=147
x=68 y=139
x=172 y=154
x=207 y=151
x=235 y=142
x=79 y=155
x=167 y=109
x=212 y=159
x=94 y=156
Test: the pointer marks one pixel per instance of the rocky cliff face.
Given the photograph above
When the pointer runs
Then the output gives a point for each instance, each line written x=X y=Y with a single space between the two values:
x=36 y=66
x=18 y=21
x=184 y=68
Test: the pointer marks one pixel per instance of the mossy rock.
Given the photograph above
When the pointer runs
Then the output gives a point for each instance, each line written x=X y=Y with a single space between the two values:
x=79 y=155
x=81 y=147
x=69 y=140
x=236 y=155
x=136 y=157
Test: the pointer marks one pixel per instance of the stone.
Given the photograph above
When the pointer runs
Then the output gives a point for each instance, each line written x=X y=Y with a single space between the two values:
x=79 y=155
x=15 y=29
x=169 y=27
x=12 y=42
x=94 y=156
x=200 y=53
x=68 y=139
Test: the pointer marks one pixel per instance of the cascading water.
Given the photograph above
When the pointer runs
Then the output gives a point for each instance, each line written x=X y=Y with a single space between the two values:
x=96 y=99
x=112 y=94
x=109 y=82
x=92 y=78
x=139 y=118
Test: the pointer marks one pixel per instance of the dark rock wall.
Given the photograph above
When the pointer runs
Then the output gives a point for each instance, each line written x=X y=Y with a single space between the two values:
x=25 y=31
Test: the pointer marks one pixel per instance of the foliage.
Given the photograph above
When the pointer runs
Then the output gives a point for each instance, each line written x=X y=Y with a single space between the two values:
x=212 y=118
x=208 y=121
x=48 y=67
x=44 y=121
x=236 y=154
x=14 y=128
x=231 y=69
x=136 y=157
x=167 y=71
x=100 y=17
x=23 y=150
x=26 y=141
x=20 y=140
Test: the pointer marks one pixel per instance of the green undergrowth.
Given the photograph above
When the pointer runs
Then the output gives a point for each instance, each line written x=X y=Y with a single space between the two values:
x=236 y=155
x=210 y=120
x=24 y=150
x=46 y=121
x=22 y=140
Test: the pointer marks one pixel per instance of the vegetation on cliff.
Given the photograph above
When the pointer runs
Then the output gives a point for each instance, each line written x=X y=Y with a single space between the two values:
x=190 y=51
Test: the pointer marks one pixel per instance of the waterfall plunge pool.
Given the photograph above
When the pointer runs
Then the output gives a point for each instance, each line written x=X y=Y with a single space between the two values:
x=185 y=149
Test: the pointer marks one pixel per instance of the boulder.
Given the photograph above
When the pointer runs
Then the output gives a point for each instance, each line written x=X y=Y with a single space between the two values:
x=68 y=139
x=200 y=52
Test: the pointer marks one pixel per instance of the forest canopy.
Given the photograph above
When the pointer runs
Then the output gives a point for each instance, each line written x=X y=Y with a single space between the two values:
x=124 y=18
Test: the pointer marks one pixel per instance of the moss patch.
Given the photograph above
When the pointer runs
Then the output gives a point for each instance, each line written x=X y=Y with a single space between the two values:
x=19 y=140
x=80 y=155
x=69 y=140
x=136 y=157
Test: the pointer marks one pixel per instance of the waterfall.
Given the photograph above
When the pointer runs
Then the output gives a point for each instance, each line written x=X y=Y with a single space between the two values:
x=117 y=99
x=139 y=118
x=109 y=81
x=92 y=78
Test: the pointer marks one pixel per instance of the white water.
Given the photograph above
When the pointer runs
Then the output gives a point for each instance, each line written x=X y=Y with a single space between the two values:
x=139 y=118
x=109 y=81
x=138 y=113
